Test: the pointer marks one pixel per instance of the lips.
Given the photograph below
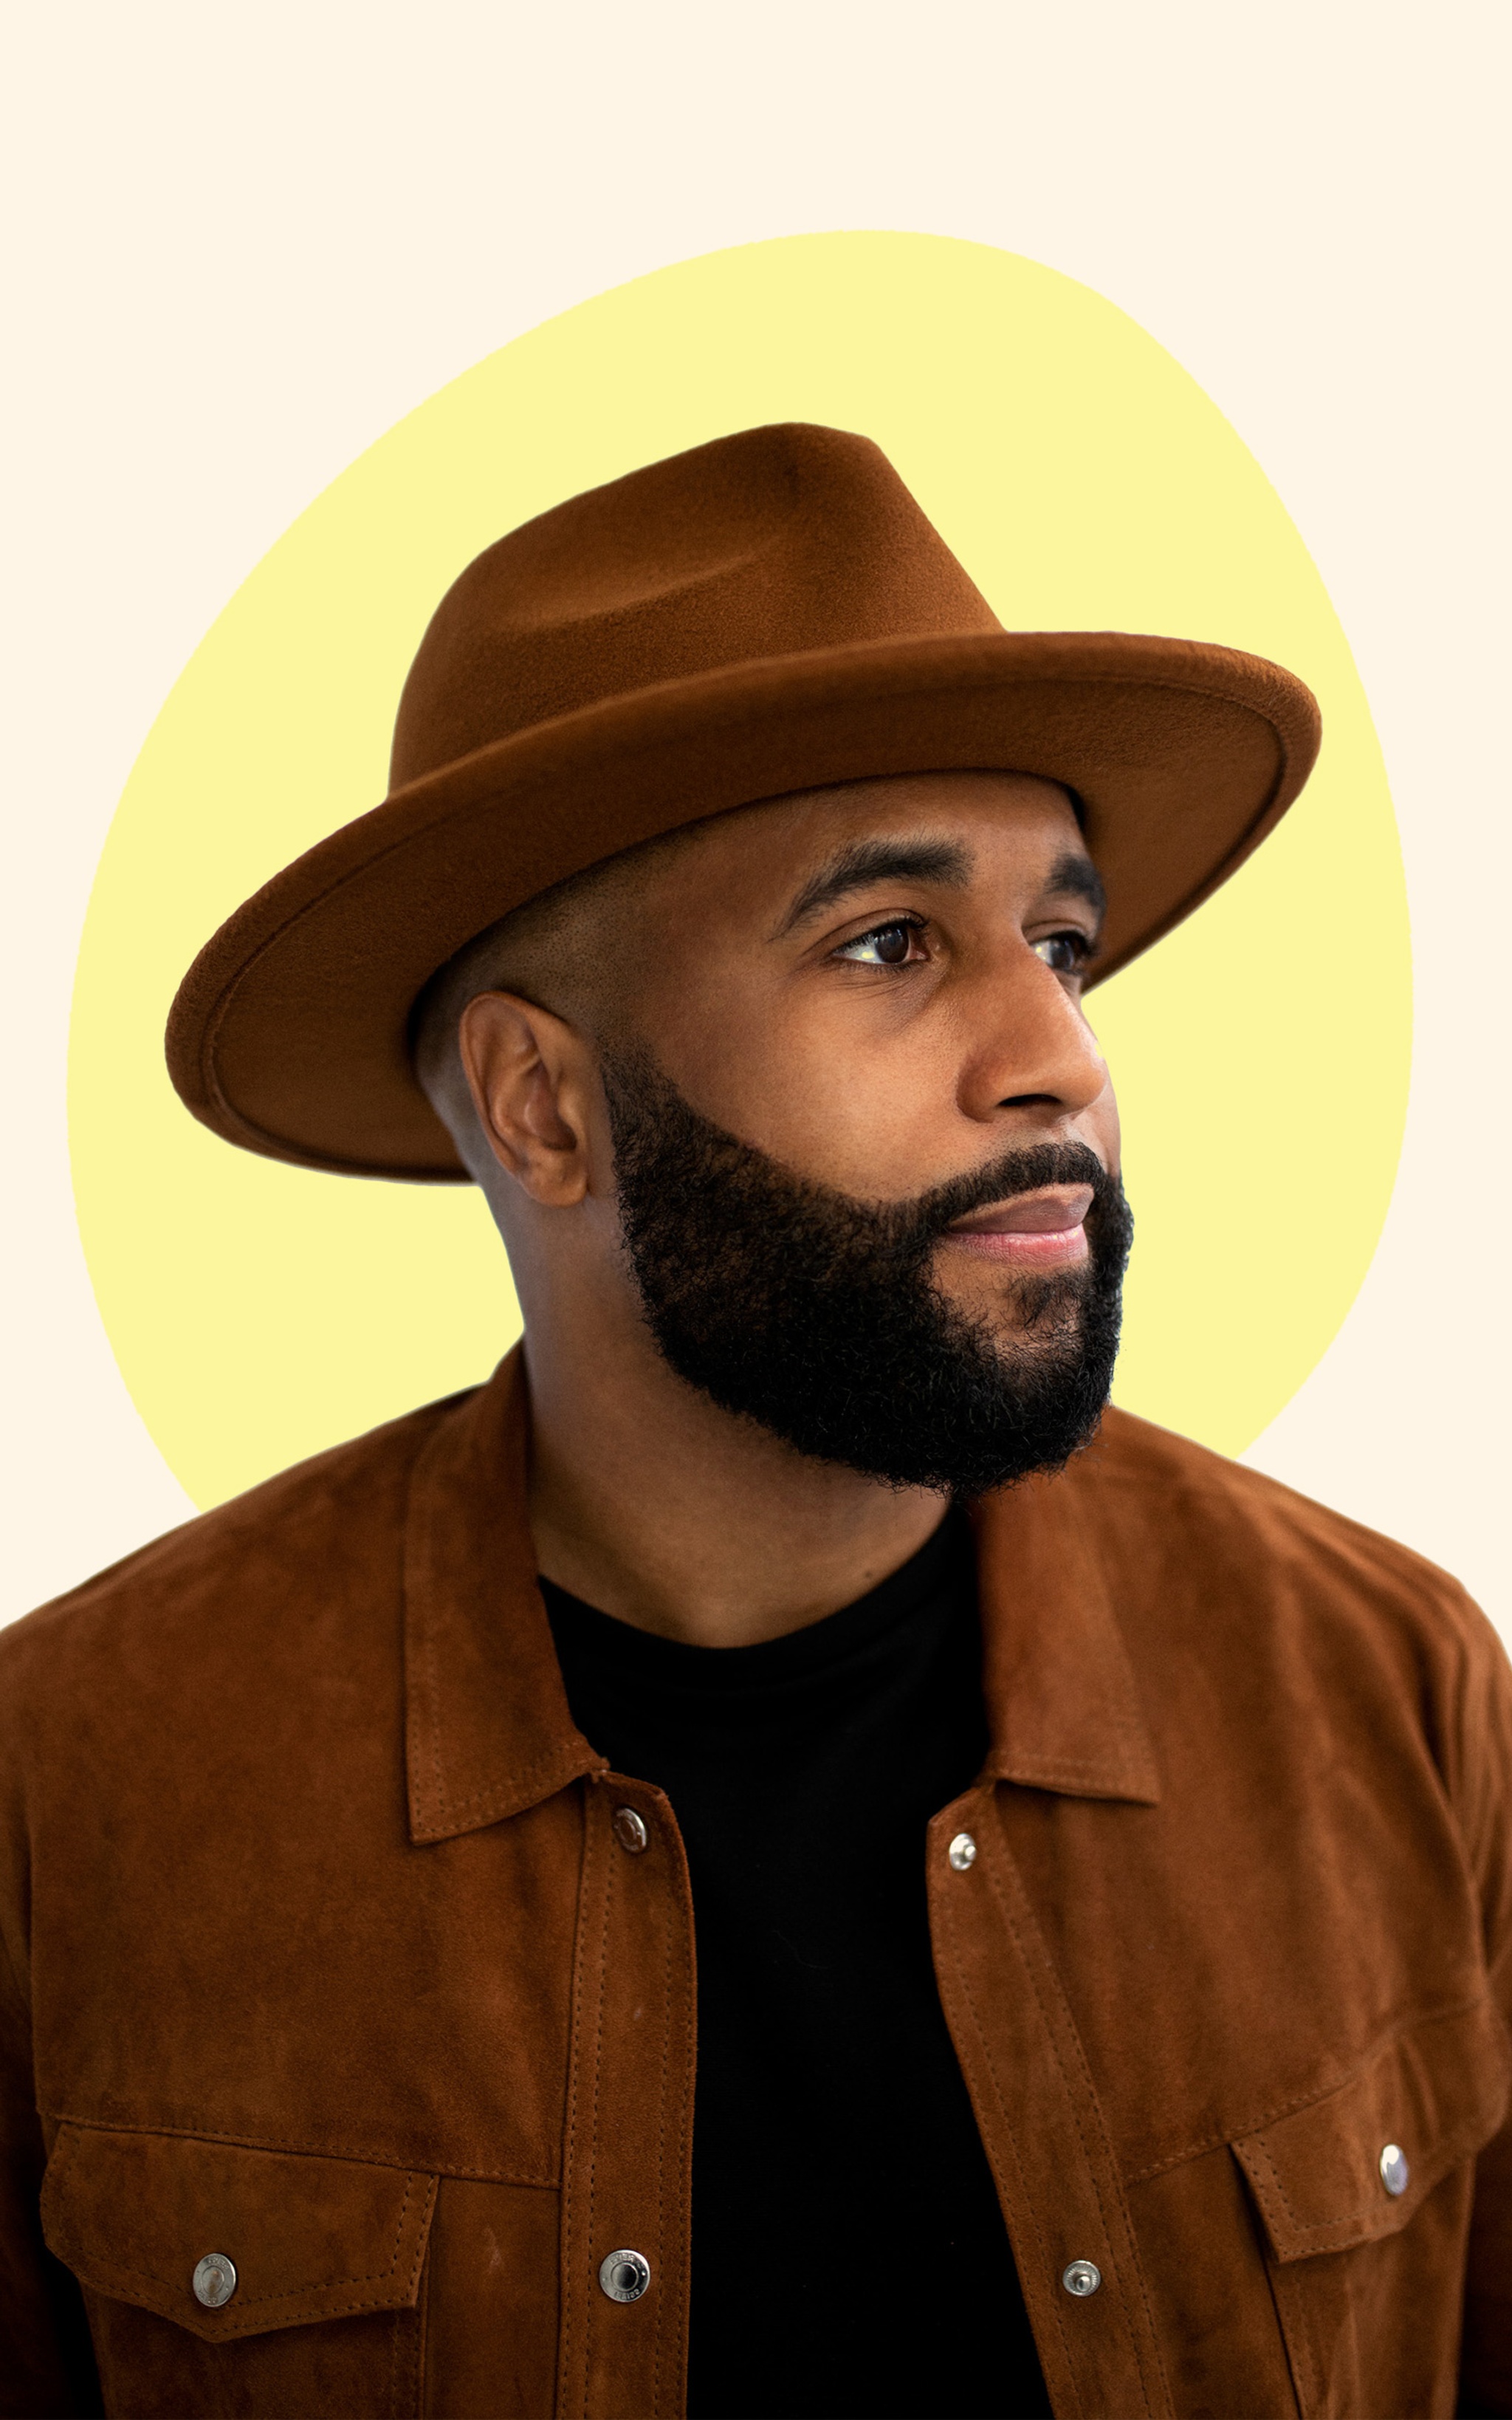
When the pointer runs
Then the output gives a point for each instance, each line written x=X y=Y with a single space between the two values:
x=1045 y=1229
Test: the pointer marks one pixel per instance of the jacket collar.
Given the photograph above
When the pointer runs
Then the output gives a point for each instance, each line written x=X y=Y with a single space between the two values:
x=1062 y=1710
x=487 y=1727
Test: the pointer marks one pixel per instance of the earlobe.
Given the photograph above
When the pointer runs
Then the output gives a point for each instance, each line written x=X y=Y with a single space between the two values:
x=521 y=1066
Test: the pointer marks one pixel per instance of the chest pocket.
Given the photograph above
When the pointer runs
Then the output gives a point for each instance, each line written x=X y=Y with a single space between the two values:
x=234 y=2247
x=1365 y=2251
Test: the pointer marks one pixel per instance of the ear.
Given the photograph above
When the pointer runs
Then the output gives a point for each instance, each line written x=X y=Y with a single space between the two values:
x=532 y=1077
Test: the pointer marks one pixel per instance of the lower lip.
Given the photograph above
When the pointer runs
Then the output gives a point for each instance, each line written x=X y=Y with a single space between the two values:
x=1051 y=1248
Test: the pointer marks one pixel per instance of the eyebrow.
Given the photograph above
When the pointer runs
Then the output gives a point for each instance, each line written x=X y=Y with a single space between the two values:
x=1076 y=878
x=866 y=861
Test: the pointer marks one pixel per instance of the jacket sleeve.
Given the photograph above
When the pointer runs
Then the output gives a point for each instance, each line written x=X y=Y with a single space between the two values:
x=47 y=2366
x=1485 y=2364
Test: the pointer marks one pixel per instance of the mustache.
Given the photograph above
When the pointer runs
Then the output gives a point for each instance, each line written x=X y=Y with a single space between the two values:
x=923 y=1219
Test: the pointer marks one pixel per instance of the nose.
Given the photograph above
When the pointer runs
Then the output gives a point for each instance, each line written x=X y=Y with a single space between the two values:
x=1029 y=1045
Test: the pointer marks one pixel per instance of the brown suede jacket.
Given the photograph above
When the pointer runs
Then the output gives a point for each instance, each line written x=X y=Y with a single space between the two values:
x=325 y=1955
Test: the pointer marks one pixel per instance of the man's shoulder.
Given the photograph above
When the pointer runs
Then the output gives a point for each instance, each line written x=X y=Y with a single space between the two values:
x=1176 y=1503
x=335 y=1517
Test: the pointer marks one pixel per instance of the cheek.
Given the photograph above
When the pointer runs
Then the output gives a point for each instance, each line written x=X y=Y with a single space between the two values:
x=871 y=1115
x=864 y=1103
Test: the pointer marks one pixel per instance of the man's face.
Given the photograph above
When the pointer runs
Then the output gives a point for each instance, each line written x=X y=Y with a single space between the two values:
x=867 y=1148
x=880 y=987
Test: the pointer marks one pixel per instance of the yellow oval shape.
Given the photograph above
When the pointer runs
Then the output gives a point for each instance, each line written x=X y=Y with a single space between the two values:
x=259 y=1313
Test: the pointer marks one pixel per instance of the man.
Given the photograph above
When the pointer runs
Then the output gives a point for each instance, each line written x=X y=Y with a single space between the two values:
x=774 y=1860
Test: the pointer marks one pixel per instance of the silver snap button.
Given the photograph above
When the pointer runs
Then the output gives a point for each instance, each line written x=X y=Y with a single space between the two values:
x=214 y=2280
x=1394 y=2173
x=629 y=1830
x=961 y=1852
x=1081 y=2279
x=624 y=2275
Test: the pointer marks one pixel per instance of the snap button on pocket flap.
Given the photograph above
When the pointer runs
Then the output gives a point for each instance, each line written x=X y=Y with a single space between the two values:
x=1354 y=2164
x=231 y=2242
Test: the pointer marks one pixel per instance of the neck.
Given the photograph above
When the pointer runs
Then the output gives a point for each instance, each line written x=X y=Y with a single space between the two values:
x=651 y=1503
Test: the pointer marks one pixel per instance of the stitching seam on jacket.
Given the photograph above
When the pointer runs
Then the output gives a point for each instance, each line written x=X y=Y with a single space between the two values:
x=1318 y=2231
x=506 y=1796
x=1296 y=2327
x=366 y=2157
x=432 y=1691
x=1029 y=1771
x=661 y=2163
x=1111 y=2233
x=684 y=2114
x=394 y=2333
x=572 y=2288
x=569 y=2143
x=598 y=2072
x=287 y=2294
x=985 y=2047
x=1227 y=2137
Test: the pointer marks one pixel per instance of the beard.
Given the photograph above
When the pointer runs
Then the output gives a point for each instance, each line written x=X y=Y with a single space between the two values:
x=818 y=1316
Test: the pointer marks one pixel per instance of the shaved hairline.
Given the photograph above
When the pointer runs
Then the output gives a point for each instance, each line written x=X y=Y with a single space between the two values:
x=543 y=952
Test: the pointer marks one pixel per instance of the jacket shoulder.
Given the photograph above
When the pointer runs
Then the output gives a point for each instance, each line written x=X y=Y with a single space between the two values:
x=1181 y=1494
x=334 y=1510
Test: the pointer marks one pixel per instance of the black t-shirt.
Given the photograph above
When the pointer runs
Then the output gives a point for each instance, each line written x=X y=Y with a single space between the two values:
x=849 y=2256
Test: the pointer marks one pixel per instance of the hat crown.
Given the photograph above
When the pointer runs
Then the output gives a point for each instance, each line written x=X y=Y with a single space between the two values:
x=770 y=543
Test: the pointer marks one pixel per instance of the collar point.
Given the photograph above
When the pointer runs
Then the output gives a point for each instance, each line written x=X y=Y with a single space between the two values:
x=433 y=1818
x=1133 y=1779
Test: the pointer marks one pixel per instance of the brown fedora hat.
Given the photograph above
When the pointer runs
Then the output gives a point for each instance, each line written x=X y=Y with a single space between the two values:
x=768 y=612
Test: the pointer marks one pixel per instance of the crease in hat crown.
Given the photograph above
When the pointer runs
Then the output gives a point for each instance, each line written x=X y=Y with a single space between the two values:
x=777 y=542
x=766 y=612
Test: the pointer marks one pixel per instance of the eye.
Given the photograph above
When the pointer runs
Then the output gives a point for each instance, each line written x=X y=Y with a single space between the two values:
x=1065 y=953
x=885 y=945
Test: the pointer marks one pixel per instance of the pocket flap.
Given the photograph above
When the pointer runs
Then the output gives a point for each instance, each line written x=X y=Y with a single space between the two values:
x=1438 y=2092
x=134 y=2215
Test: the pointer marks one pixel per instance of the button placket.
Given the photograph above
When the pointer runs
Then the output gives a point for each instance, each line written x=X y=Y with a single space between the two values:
x=626 y=2170
x=1029 y=2081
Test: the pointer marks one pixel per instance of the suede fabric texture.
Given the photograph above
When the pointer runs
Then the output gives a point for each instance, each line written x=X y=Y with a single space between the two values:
x=322 y=1953
x=765 y=614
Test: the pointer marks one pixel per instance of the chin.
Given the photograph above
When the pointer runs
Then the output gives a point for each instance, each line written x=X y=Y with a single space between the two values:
x=1024 y=1312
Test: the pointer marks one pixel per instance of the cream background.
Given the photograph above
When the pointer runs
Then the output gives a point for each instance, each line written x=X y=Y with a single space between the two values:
x=252 y=239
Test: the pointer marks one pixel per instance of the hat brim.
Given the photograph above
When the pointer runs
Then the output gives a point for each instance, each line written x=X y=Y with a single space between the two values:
x=290 y=1034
